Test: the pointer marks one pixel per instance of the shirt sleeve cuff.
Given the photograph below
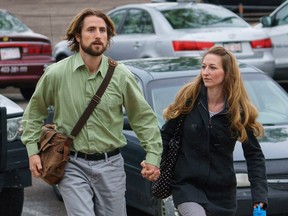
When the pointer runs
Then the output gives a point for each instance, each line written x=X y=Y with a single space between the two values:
x=32 y=149
x=153 y=159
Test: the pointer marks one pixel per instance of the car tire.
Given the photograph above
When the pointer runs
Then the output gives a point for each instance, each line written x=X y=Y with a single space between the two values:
x=57 y=192
x=27 y=92
x=11 y=201
x=165 y=207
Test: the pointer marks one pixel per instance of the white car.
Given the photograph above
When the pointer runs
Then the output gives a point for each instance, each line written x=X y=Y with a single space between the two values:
x=276 y=26
x=184 y=29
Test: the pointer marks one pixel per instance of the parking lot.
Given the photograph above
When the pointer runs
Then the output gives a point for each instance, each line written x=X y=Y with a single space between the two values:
x=51 y=18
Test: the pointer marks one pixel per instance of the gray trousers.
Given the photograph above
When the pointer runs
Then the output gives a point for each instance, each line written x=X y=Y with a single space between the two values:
x=94 y=188
x=191 y=209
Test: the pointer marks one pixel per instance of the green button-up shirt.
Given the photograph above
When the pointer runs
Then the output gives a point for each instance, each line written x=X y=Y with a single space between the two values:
x=68 y=87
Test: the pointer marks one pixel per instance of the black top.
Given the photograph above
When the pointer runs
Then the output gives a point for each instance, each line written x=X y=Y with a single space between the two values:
x=204 y=171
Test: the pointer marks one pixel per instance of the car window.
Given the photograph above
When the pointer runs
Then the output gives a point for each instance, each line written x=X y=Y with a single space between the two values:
x=270 y=100
x=186 y=18
x=137 y=22
x=118 y=18
x=162 y=93
x=9 y=23
x=281 y=17
x=265 y=94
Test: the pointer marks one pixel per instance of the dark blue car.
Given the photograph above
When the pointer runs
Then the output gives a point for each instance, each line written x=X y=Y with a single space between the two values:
x=160 y=79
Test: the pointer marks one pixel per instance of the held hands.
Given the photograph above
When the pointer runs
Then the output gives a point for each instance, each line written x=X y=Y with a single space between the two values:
x=150 y=171
x=35 y=165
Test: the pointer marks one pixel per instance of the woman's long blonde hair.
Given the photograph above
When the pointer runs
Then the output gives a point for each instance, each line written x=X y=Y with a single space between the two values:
x=242 y=112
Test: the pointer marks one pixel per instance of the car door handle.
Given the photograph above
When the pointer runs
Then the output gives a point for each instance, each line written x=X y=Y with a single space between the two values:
x=137 y=45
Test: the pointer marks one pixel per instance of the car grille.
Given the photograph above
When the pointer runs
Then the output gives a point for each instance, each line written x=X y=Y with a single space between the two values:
x=279 y=182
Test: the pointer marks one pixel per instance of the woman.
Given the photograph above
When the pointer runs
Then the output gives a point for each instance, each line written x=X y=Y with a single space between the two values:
x=217 y=112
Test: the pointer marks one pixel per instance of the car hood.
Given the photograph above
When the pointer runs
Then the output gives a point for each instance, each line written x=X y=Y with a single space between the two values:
x=274 y=144
x=11 y=106
x=221 y=34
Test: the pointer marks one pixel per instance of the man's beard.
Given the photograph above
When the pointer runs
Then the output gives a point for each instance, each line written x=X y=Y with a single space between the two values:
x=93 y=52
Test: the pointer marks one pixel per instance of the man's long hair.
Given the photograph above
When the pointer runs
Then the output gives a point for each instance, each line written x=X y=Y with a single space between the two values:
x=76 y=25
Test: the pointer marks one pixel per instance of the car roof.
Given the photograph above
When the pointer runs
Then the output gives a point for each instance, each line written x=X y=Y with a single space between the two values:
x=169 y=67
x=170 y=5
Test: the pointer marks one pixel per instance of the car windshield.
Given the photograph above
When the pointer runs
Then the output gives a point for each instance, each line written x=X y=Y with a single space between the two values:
x=187 y=18
x=9 y=23
x=270 y=100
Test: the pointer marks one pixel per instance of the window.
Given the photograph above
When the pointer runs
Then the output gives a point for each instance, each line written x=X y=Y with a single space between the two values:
x=137 y=22
x=118 y=17
x=281 y=18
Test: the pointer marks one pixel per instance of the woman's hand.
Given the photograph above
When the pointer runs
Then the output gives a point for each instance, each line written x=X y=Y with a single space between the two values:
x=262 y=205
x=150 y=171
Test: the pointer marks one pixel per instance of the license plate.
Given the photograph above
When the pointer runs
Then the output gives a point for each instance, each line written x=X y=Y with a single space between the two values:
x=9 y=53
x=233 y=47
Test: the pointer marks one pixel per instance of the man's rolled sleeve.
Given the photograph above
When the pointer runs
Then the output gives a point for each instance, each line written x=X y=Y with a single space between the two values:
x=32 y=149
x=153 y=159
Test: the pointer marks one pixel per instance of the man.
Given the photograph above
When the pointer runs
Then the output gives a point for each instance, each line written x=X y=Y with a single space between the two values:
x=91 y=186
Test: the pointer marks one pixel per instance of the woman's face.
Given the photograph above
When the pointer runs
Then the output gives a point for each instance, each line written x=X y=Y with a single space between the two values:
x=212 y=71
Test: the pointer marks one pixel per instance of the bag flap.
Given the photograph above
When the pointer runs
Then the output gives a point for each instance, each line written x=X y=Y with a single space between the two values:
x=48 y=131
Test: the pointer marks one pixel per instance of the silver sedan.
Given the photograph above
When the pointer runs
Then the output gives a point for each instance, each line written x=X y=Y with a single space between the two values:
x=276 y=26
x=185 y=29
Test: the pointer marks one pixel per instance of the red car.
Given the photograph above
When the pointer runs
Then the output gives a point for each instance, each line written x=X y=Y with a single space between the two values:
x=23 y=54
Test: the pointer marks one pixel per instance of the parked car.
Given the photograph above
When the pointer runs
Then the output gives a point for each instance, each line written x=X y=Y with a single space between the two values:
x=160 y=79
x=276 y=26
x=23 y=54
x=183 y=29
x=14 y=165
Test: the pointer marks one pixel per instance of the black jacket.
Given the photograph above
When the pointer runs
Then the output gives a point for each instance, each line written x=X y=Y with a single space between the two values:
x=204 y=171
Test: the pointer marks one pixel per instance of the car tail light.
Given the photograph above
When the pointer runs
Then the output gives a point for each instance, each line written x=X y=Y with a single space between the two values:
x=36 y=49
x=191 y=45
x=32 y=49
x=264 y=43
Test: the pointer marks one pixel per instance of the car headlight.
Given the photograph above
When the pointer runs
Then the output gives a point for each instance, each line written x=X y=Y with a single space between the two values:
x=14 y=129
x=242 y=180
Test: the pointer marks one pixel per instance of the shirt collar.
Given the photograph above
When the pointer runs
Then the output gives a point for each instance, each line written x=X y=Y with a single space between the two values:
x=80 y=63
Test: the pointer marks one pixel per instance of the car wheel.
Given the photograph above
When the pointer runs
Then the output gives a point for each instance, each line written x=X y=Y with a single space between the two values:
x=165 y=207
x=11 y=201
x=57 y=192
x=27 y=92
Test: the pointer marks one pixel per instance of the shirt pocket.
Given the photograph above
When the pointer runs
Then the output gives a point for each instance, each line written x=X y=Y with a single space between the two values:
x=108 y=111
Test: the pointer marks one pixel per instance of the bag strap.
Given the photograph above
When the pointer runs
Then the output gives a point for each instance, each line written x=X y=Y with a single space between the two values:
x=94 y=101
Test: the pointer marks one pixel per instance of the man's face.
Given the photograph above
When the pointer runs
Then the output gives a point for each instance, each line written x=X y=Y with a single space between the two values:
x=93 y=39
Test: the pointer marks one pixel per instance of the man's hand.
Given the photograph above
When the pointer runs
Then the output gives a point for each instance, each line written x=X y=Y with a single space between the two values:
x=35 y=165
x=150 y=171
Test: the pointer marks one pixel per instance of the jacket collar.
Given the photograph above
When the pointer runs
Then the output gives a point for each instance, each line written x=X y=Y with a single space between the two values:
x=203 y=99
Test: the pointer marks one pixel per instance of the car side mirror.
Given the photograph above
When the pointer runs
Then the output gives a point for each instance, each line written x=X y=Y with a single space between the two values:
x=266 y=21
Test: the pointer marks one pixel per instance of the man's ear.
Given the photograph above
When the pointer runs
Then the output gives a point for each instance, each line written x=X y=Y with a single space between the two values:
x=77 y=37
